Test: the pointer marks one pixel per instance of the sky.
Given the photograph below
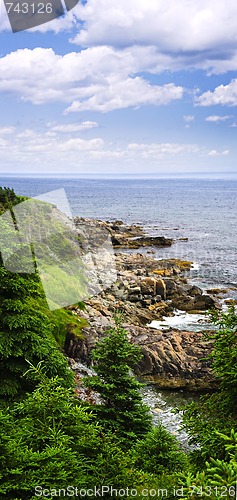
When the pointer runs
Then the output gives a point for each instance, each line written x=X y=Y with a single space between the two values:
x=121 y=87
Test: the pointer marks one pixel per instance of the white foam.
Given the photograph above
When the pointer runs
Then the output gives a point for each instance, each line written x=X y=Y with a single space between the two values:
x=195 y=266
x=181 y=320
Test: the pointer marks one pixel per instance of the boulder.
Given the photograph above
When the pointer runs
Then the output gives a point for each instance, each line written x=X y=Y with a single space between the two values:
x=161 y=288
x=148 y=286
x=173 y=359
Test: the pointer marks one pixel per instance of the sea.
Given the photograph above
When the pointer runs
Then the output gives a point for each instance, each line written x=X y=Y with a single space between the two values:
x=200 y=214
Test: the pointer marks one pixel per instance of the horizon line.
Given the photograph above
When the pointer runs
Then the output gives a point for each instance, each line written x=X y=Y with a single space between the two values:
x=87 y=175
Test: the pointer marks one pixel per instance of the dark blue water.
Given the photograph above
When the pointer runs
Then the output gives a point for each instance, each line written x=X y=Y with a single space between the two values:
x=204 y=211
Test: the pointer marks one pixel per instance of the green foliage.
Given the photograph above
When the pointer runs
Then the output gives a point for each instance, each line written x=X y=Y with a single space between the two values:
x=63 y=322
x=224 y=355
x=218 y=410
x=26 y=334
x=48 y=437
x=218 y=479
x=201 y=419
x=122 y=411
x=8 y=198
x=29 y=330
x=50 y=440
x=158 y=452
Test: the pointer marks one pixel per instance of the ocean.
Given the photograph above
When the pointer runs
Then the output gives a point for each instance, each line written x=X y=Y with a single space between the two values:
x=202 y=210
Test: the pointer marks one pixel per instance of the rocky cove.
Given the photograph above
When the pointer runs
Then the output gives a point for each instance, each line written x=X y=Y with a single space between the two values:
x=147 y=290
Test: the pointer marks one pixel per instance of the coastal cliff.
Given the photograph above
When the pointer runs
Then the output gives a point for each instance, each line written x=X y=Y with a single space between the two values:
x=149 y=289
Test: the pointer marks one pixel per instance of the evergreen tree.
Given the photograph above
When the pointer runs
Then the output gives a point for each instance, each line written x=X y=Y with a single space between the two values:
x=216 y=411
x=158 y=452
x=50 y=440
x=224 y=357
x=27 y=327
x=122 y=410
x=26 y=333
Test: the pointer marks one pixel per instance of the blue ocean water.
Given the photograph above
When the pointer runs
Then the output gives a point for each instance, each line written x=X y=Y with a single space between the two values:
x=202 y=210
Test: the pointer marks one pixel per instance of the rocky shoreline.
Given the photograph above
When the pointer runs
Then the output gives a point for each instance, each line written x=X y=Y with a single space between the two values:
x=149 y=289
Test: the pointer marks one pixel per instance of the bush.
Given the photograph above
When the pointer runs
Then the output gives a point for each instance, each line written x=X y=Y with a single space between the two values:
x=159 y=452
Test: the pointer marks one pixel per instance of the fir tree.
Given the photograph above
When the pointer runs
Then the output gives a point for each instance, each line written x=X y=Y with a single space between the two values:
x=123 y=410
x=26 y=325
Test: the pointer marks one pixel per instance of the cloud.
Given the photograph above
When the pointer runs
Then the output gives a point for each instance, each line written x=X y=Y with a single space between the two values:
x=200 y=34
x=217 y=118
x=223 y=95
x=189 y=118
x=160 y=150
x=6 y=130
x=99 y=78
x=214 y=153
x=69 y=128
x=50 y=151
x=133 y=92
x=174 y=35
x=170 y=25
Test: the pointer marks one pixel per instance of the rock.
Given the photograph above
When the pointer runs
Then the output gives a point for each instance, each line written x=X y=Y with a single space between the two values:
x=229 y=302
x=134 y=290
x=200 y=302
x=205 y=302
x=148 y=286
x=163 y=272
x=143 y=241
x=153 y=287
x=194 y=291
x=161 y=288
x=174 y=359
x=171 y=287
x=158 y=306
x=217 y=291
x=148 y=289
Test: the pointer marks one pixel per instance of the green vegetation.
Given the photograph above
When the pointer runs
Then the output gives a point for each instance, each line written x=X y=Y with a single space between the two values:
x=29 y=331
x=51 y=439
x=122 y=411
x=219 y=410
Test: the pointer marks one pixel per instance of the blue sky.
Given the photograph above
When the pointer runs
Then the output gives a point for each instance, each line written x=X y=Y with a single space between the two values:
x=122 y=87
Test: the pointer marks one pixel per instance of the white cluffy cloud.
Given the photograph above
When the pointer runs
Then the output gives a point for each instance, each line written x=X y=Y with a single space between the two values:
x=171 y=25
x=197 y=33
x=175 y=35
x=222 y=95
x=6 y=130
x=73 y=127
x=214 y=153
x=217 y=118
x=49 y=149
x=189 y=118
x=130 y=92
x=99 y=78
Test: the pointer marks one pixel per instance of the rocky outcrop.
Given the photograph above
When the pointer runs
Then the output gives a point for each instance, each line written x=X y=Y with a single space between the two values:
x=143 y=295
x=148 y=289
x=143 y=241
x=122 y=235
x=173 y=359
